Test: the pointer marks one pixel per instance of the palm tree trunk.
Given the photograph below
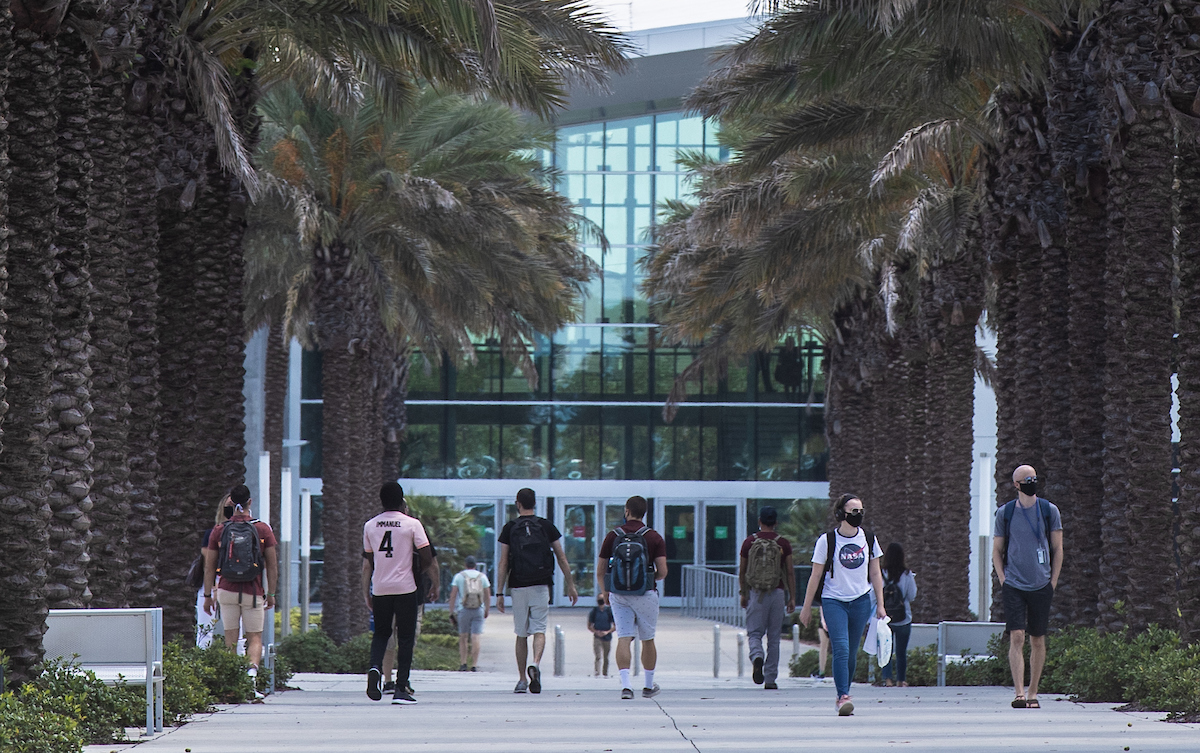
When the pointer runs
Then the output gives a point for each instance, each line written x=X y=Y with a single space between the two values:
x=1073 y=131
x=936 y=423
x=274 y=407
x=395 y=417
x=915 y=479
x=71 y=445
x=1141 y=191
x=848 y=408
x=24 y=464
x=142 y=234
x=108 y=574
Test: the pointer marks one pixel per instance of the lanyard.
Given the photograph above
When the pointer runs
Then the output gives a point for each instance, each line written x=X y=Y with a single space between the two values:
x=1025 y=514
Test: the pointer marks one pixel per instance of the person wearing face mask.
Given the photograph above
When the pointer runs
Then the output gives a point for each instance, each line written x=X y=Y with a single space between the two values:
x=1027 y=554
x=846 y=566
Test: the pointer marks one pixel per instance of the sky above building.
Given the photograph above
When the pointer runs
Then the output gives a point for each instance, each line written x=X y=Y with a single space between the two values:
x=636 y=15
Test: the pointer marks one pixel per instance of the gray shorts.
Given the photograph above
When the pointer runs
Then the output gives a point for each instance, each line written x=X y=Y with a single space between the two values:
x=470 y=621
x=636 y=616
x=531 y=609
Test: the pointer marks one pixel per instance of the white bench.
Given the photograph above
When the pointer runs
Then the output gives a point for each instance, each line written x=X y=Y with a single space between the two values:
x=116 y=645
x=959 y=640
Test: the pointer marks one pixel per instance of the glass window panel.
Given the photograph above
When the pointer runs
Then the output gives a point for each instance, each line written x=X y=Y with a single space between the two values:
x=576 y=449
x=575 y=187
x=422 y=385
x=310 y=375
x=612 y=452
x=815 y=455
x=616 y=190
x=577 y=361
x=691 y=132
x=310 y=430
x=778 y=439
x=477 y=448
x=579 y=545
x=616 y=226
x=421 y=452
x=679 y=531
x=523 y=451
x=483 y=519
x=720 y=537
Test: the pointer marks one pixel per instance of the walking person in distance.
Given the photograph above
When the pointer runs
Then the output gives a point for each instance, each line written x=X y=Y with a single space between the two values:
x=768 y=587
x=470 y=596
x=529 y=548
x=633 y=559
x=602 y=626
x=1027 y=554
x=847 y=558
x=390 y=584
x=899 y=592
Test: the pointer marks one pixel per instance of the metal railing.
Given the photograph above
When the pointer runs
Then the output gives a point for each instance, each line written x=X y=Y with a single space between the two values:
x=712 y=595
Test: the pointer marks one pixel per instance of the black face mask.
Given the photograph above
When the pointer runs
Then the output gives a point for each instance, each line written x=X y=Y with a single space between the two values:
x=1029 y=488
x=854 y=518
x=228 y=511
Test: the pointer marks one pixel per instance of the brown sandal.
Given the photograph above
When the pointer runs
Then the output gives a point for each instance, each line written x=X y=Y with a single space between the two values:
x=1032 y=703
x=1019 y=702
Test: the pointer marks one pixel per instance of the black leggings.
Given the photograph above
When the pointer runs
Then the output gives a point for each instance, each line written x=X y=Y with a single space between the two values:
x=403 y=609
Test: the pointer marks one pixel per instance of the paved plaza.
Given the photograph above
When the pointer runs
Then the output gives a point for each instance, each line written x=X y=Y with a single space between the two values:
x=462 y=712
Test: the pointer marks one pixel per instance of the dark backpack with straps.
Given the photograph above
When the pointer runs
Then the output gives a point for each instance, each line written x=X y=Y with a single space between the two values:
x=1010 y=509
x=532 y=557
x=629 y=567
x=240 y=558
x=893 y=601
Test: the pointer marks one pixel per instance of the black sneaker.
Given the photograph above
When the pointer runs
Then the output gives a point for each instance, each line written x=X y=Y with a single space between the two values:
x=373 y=690
x=462 y=667
x=535 y=679
x=403 y=699
x=770 y=686
x=758 y=673
x=650 y=692
x=389 y=686
x=626 y=694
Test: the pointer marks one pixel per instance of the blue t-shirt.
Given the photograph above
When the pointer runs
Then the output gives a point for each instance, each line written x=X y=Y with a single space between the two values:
x=1025 y=570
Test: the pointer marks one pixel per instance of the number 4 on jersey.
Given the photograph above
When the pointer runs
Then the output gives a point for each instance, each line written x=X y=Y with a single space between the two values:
x=385 y=546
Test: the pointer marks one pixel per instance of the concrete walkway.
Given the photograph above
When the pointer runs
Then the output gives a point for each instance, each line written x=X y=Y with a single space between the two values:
x=695 y=713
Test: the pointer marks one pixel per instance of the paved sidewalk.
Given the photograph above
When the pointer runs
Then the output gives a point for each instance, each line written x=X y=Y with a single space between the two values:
x=695 y=713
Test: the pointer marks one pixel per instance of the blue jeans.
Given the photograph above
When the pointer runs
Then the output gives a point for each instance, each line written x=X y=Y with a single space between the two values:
x=845 y=620
x=899 y=663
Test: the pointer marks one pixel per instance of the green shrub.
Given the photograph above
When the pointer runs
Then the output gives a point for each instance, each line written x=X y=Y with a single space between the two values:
x=312 y=652
x=436 y=652
x=184 y=690
x=805 y=664
x=437 y=622
x=283 y=673
x=314 y=619
x=105 y=710
x=356 y=654
x=36 y=722
x=807 y=634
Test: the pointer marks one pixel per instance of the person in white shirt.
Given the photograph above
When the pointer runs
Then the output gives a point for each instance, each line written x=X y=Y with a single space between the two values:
x=850 y=573
x=389 y=584
x=470 y=594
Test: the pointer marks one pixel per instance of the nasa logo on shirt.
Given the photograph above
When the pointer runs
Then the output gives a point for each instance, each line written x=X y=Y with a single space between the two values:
x=851 y=556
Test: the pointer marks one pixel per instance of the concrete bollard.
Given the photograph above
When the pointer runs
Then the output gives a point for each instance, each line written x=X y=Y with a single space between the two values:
x=741 y=654
x=795 y=640
x=560 y=652
x=716 y=650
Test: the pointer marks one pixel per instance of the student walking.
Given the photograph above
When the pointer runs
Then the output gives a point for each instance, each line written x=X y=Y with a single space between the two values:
x=470 y=595
x=529 y=547
x=848 y=560
x=768 y=588
x=899 y=592
x=240 y=550
x=630 y=582
x=602 y=626
x=390 y=585
x=1027 y=554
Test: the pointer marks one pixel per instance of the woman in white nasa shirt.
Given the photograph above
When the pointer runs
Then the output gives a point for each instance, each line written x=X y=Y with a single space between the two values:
x=846 y=599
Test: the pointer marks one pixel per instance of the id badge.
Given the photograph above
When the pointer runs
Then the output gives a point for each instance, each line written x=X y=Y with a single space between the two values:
x=1042 y=559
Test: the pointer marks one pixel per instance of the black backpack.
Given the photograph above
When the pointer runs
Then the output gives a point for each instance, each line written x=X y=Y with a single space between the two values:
x=532 y=557
x=893 y=601
x=629 y=566
x=240 y=558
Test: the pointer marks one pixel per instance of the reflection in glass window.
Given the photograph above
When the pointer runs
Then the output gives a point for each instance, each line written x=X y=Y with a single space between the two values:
x=310 y=431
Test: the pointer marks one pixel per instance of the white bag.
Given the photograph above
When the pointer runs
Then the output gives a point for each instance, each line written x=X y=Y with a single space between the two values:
x=879 y=640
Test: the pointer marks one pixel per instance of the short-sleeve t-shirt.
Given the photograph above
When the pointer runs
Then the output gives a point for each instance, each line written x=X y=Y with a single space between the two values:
x=784 y=544
x=390 y=539
x=848 y=578
x=266 y=539
x=1023 y=571
x=552 y=535
x=601 y=618
x=460 y=582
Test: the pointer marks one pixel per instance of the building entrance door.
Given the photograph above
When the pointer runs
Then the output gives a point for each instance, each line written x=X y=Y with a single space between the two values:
x=698 y=532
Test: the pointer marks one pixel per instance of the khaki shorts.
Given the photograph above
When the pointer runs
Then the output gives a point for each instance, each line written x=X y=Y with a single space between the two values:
x=252 y=618
x=531 y=608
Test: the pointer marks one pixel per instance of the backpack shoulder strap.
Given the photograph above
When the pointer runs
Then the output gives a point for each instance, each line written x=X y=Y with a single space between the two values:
x=871 y=543
x=642 y=531
x=830 y=545
x=1044 y=508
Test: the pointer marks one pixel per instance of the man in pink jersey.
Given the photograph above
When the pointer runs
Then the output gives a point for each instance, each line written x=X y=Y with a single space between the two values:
x=390 y=586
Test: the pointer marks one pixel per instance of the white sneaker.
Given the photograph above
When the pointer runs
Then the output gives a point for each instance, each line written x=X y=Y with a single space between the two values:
x=252 y=672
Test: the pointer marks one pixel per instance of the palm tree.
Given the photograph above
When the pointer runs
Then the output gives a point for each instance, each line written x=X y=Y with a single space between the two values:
x=425 y=229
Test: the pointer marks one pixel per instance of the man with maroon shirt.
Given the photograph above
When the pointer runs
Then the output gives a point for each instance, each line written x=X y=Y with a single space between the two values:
x=242 y=602
x=764 y=609
x=635 y=615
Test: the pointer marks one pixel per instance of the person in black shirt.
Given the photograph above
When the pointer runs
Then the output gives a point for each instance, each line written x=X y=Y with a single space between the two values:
x=529 y=547
x=602 y=626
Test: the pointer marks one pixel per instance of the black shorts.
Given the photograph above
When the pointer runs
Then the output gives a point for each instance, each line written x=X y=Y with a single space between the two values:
x=1027 y=610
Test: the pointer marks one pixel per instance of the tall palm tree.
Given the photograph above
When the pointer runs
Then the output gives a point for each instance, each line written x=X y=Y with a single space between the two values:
x=424 y=229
